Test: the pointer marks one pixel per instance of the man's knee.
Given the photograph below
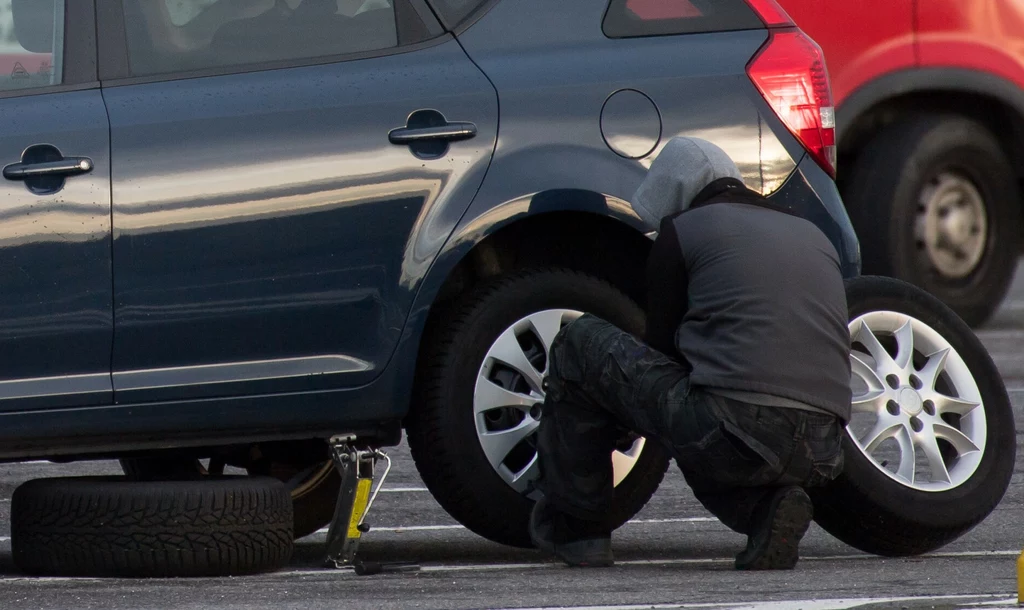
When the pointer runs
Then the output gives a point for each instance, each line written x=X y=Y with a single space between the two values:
x=568 y=350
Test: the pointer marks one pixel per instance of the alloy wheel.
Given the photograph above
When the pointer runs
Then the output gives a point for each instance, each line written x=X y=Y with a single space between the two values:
x=509 y=394
x=917 y=411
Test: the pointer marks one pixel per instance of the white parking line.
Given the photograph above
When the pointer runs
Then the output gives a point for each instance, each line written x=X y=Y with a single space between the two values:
x=4 y=538
x=425 y=528
x=803 y=604
x=629 y=562
x=495 y=567
x=402 y=489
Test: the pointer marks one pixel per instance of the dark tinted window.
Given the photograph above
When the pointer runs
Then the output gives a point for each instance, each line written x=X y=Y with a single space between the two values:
x=452 y=12
x=31 y=43
x=185 y=35
x=629 y=18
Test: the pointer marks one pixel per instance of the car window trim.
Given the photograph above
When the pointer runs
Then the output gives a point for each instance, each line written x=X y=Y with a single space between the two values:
x=48 y=89
x=79 y=53
x=276 y=65
x=429 y=20
x=468 y=21
x=79 y=43
x=115 y=70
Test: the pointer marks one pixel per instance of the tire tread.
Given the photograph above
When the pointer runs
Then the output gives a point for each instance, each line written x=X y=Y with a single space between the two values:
x=108 y=526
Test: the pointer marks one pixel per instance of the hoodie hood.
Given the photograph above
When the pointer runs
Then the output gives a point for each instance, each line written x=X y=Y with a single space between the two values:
x=679 y=173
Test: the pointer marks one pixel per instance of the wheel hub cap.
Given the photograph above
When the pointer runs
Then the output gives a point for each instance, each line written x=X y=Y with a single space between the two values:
x=910 y=401
x=508 y=394
x=952 y=225
x=917 y=411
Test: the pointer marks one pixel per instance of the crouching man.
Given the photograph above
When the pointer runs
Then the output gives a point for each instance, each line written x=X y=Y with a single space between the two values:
x=743 y=373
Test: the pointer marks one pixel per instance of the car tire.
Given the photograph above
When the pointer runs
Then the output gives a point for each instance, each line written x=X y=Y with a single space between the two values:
x=442 y=428
x=110 y=526
x=870 y=506
x=314 y=498
x=314 y=495
x=935 y=202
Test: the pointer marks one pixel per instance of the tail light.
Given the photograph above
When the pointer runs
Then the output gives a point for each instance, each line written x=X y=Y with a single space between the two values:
x=771 y=13
x=790 y=72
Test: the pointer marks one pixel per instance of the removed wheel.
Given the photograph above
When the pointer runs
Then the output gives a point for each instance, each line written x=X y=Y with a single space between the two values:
x=313 y=482
x=478 y=393
x=931 y=445
x=935 y=202
x=110 y=526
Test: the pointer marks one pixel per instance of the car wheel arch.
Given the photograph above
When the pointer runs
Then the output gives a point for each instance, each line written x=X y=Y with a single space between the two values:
x=468 y=256
x=985 y=97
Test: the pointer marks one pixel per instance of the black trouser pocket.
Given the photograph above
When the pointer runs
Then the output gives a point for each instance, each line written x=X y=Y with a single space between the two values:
x=723 y=457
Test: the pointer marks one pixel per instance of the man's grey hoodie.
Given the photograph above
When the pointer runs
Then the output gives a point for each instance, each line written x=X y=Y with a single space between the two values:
x=748 y=295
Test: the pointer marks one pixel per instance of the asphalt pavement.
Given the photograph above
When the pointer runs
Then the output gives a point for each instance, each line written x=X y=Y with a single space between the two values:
x=672 y=555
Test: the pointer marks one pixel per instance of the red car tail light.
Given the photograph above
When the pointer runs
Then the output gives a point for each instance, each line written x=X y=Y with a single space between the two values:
x=771 y=13
x=790 y=72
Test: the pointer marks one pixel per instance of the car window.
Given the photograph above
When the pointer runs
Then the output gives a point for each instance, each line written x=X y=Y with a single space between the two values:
x=634 y=18
x=167 y=36
x=452 y=12
x=31 y=36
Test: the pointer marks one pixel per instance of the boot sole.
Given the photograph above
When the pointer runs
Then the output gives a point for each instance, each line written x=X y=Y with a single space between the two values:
x=592 y=553
x=792 y=517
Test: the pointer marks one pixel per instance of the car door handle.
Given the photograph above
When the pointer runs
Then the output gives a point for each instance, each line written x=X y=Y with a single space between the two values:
x=449 y=132
x=68 y=166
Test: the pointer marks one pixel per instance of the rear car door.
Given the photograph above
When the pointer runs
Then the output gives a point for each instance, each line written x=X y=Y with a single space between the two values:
x=55 y=294
x=283 y=173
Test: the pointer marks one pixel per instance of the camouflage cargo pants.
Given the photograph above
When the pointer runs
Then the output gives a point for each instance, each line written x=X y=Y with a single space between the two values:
x=603 y=382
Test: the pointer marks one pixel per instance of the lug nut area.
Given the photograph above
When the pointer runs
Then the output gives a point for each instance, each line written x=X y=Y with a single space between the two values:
x=893 y=407
x=929 y=407
x=893 y=381
x=535 y=411
x=915 y=382
x=916 y=424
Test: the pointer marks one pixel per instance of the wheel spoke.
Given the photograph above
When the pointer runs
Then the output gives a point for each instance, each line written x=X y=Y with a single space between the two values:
x=904 y=345
x=869 y=402
x=935 y=461
x=490 y=395
x=954 y=437
x=931 y=370
x=508 y=351
x=521 y=480
x=908 y=458
x=884 y=429
x=497 y=445
x=547 y=324
x=865 y=372
x=883 y=361
x=623 y=462
x=949 y=404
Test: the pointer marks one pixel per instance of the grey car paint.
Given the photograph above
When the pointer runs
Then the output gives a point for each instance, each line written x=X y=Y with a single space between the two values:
x=267 y=234
x=233 y=293
x=55 y=315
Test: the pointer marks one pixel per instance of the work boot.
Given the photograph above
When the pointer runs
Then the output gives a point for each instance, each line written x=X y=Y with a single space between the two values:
x=577 y=542
x=778 y=524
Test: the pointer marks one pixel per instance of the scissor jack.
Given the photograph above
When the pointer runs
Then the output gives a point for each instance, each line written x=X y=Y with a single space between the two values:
x=356 y=468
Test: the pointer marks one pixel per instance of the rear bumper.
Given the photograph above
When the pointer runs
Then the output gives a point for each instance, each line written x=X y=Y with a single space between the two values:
x=812 y=194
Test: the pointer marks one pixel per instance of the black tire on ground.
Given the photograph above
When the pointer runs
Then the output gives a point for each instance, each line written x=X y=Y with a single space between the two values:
x=883 y=191
x=110 y=526
x=441 y=430
x=313 y=498
x=872 y=512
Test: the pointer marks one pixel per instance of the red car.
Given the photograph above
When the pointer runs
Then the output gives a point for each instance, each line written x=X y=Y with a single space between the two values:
x=930 y=127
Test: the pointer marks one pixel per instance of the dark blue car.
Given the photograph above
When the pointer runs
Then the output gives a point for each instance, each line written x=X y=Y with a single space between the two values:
x=234 y=228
